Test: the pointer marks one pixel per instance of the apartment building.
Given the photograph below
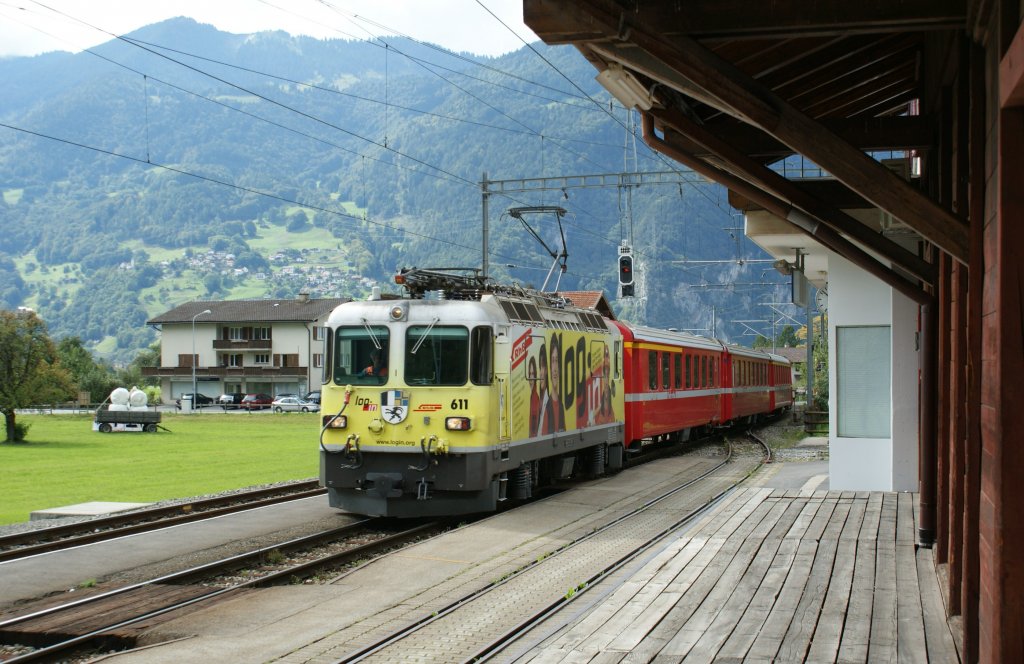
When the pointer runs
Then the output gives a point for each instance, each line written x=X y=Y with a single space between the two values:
x=268 y=346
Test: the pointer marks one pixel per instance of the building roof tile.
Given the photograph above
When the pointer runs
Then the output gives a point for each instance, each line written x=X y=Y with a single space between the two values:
x=302 y=310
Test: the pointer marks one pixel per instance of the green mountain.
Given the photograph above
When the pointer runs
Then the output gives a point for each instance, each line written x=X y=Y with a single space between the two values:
x=183 y=162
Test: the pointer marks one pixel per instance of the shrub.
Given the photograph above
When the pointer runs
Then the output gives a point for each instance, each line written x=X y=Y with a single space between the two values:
x=21 y=431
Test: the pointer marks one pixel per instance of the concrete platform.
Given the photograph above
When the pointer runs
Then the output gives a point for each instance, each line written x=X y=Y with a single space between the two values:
x=95 y=508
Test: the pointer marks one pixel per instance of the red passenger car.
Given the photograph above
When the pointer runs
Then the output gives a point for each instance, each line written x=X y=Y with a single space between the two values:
x=672 y=383
x=780 y=379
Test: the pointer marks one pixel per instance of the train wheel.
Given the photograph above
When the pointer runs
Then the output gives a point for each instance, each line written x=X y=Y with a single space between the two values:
x=105 y=428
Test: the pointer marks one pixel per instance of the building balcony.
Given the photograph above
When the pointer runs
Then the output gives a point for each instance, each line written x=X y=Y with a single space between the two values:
x=247 y=344
x=225 y=372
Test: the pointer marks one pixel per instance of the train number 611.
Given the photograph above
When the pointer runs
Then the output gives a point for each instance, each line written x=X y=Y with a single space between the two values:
x=460 y=404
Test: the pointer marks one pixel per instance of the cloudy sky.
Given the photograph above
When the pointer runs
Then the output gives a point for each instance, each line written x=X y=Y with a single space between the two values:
x=28 y=27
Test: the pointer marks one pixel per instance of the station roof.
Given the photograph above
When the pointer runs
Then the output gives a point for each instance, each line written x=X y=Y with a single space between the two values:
x=735 y=90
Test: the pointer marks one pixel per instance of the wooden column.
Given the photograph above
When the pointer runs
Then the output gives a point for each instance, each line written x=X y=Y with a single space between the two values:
x=1002 y=499
x=945 y=408
x=958 y=375
x=972 y=456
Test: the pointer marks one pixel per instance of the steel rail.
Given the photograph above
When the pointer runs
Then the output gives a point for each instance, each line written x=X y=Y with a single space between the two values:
x=301 y=570
x=395 y=637
x=18 y=545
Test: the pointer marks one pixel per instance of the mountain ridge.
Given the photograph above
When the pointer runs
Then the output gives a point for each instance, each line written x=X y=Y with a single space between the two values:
x=343 y=176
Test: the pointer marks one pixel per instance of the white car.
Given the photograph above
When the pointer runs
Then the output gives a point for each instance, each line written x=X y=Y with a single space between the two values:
x=294 y=404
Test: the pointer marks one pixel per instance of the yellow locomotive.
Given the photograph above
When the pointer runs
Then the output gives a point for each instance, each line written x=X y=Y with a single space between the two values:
x=464 y=394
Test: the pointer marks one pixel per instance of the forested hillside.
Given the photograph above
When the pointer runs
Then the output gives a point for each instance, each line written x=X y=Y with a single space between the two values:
x=190 y=163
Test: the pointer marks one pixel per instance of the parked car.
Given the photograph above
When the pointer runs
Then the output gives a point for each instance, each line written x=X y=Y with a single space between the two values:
x=287 y=394
x=230 y=400
x=294 y=404
x=199 y=401
x=313 y=396
x=256 y=401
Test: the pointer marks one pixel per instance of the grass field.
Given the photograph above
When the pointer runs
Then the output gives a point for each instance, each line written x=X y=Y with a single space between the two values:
x=64 y=462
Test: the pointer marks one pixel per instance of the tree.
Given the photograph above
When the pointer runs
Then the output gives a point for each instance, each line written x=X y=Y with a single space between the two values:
x=88 y=375
x=787 y=338
x=132 y=374
x=762 y=342
x=30 y=371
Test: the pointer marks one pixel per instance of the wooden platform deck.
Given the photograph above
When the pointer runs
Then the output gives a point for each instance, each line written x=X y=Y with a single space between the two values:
x=770 y=576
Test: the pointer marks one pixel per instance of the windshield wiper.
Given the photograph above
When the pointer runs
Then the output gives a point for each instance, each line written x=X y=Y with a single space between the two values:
x=424 y=337
x=373 y=337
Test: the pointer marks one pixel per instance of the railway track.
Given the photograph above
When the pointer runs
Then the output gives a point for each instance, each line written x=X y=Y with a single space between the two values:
x=482 y=623
x=128 y=612
x=113 y=619
x=44 y=540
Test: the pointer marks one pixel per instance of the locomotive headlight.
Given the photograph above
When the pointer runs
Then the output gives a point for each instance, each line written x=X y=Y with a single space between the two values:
x=332 y=422
x=456 y=423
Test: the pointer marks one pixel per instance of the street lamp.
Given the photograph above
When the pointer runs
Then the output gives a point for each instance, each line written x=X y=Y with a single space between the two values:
x=201 y=313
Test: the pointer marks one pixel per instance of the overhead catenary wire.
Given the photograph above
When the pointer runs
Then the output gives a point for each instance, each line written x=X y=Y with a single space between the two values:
x=457 y=178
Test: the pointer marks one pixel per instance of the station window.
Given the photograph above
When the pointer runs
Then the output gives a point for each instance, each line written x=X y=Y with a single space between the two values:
x=652 y=369
x=262 y=358
x=678 y=361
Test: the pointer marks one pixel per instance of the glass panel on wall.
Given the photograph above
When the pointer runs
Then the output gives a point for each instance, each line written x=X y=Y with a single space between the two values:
x=864 y=380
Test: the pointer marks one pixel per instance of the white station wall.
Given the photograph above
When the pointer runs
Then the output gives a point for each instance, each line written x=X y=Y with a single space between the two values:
x=857 y=299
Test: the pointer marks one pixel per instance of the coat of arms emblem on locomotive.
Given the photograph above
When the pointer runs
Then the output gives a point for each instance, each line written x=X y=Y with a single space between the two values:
x=394 y=406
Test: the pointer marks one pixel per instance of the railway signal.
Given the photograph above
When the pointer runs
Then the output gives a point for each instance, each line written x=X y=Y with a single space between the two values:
x=626 y=271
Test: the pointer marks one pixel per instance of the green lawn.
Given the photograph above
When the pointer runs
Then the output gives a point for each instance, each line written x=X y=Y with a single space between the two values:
x=64 y=462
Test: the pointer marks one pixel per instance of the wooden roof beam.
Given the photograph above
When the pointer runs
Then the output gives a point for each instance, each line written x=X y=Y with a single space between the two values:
x=848 y=56
x=783 y=210
x=889 y=133
x=883 y=87
x=728 y=19
x=789 y=190
x=687 y=66
x=850 y=83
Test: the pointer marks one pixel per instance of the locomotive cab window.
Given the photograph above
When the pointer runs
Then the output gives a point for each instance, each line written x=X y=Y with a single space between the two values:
x=328 y=336
x=483 y=344
x=361 y=355
x=436 y=355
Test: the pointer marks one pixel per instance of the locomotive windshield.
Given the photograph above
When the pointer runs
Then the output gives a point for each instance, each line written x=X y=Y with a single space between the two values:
x=436 y=355
x=361 y=355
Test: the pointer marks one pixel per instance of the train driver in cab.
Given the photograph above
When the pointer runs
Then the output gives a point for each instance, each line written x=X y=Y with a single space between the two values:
x=378 y=364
